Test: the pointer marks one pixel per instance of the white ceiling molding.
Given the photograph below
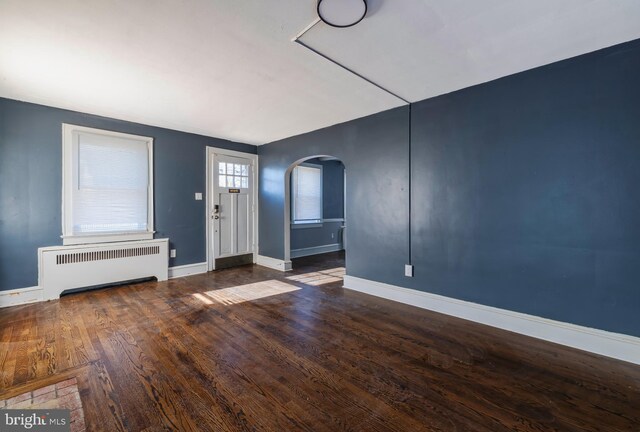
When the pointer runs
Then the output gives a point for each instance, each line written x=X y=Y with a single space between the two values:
x=229 y=69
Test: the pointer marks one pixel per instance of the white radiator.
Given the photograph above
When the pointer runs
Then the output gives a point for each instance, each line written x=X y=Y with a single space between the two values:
x=62 y=268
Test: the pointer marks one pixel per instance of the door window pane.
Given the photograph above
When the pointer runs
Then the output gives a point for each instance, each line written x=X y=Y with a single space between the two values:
x=232 y=175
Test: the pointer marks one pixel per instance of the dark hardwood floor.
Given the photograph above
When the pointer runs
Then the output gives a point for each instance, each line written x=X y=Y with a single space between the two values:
x=212 y=352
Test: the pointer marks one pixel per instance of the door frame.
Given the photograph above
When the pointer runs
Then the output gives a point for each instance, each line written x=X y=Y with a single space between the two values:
x=211 y=151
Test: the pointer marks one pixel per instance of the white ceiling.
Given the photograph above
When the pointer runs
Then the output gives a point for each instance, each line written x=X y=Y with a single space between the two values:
x=228 y=68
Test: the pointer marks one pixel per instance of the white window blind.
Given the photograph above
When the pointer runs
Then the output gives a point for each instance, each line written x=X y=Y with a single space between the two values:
x=107 y=187
x=307 y=194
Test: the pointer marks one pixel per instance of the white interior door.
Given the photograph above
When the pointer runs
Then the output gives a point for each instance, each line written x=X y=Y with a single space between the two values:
x=231 y=206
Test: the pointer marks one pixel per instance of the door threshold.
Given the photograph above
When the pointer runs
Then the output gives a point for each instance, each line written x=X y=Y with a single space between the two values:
x=234 y=261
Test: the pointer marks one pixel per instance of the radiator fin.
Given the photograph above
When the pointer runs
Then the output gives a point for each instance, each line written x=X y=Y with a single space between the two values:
x=109 y=254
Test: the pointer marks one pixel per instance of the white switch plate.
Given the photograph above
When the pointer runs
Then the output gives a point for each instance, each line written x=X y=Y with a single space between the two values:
x=172 y=253
x=198 y=196
x=408 y=270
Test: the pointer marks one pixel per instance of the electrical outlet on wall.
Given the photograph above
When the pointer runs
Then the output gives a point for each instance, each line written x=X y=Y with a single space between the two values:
x=172 y=253
x=198 y=196
x=408 y=270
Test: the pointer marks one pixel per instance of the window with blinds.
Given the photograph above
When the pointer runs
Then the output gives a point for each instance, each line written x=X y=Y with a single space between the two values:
x=306 y=194
x=107 y=185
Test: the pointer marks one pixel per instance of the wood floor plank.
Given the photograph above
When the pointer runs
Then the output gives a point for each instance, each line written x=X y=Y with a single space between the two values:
x=139 y=408
x=235 y=375
x=123 y=350
x=7 y=356
x=103 y=410
x=22 y=342
x=215 y=411
x=337 y=394
x=495 y=395
x=194 y=354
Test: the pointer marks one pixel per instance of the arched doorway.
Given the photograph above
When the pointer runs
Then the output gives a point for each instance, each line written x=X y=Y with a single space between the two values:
x=315 y=225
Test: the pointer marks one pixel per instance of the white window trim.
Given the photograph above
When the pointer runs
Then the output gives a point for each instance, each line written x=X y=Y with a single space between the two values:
x=315 y=225
x=303 y=223
x=306 y=225
x=68 y=143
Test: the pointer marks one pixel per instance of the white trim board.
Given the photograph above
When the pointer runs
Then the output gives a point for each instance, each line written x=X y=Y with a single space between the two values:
x=274 y=263
x=21 y=296
x=316 y=250
x=187 y=270
x=319 y=224
x=615 y=345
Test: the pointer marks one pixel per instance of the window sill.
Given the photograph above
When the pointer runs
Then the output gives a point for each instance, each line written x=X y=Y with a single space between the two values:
x=105 y=238
x=304 y=225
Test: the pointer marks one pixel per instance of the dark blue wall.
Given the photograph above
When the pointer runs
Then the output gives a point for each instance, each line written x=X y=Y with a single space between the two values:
x=310 y=237
x=525 y=191
x=374 y=152
x=333 y=189
x=31 y=184
x=332 y=208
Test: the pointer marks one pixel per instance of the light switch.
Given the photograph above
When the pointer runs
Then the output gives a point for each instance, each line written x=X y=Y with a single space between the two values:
x=172 y=253
x=408 y=270
x=198 y=196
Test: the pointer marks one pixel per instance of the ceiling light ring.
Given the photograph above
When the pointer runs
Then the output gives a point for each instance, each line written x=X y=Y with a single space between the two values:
x=351 y=24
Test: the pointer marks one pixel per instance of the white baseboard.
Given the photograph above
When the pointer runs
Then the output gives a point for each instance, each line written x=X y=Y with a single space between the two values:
x=316 y=250
x=21 y=296
x=187 y=270
x=35 y=294
x=274 y=263
x=615 y=345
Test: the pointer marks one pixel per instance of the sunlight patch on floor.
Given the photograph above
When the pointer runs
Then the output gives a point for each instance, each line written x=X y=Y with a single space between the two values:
x=244 y=293
x=320 y=277
x=202 y=298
